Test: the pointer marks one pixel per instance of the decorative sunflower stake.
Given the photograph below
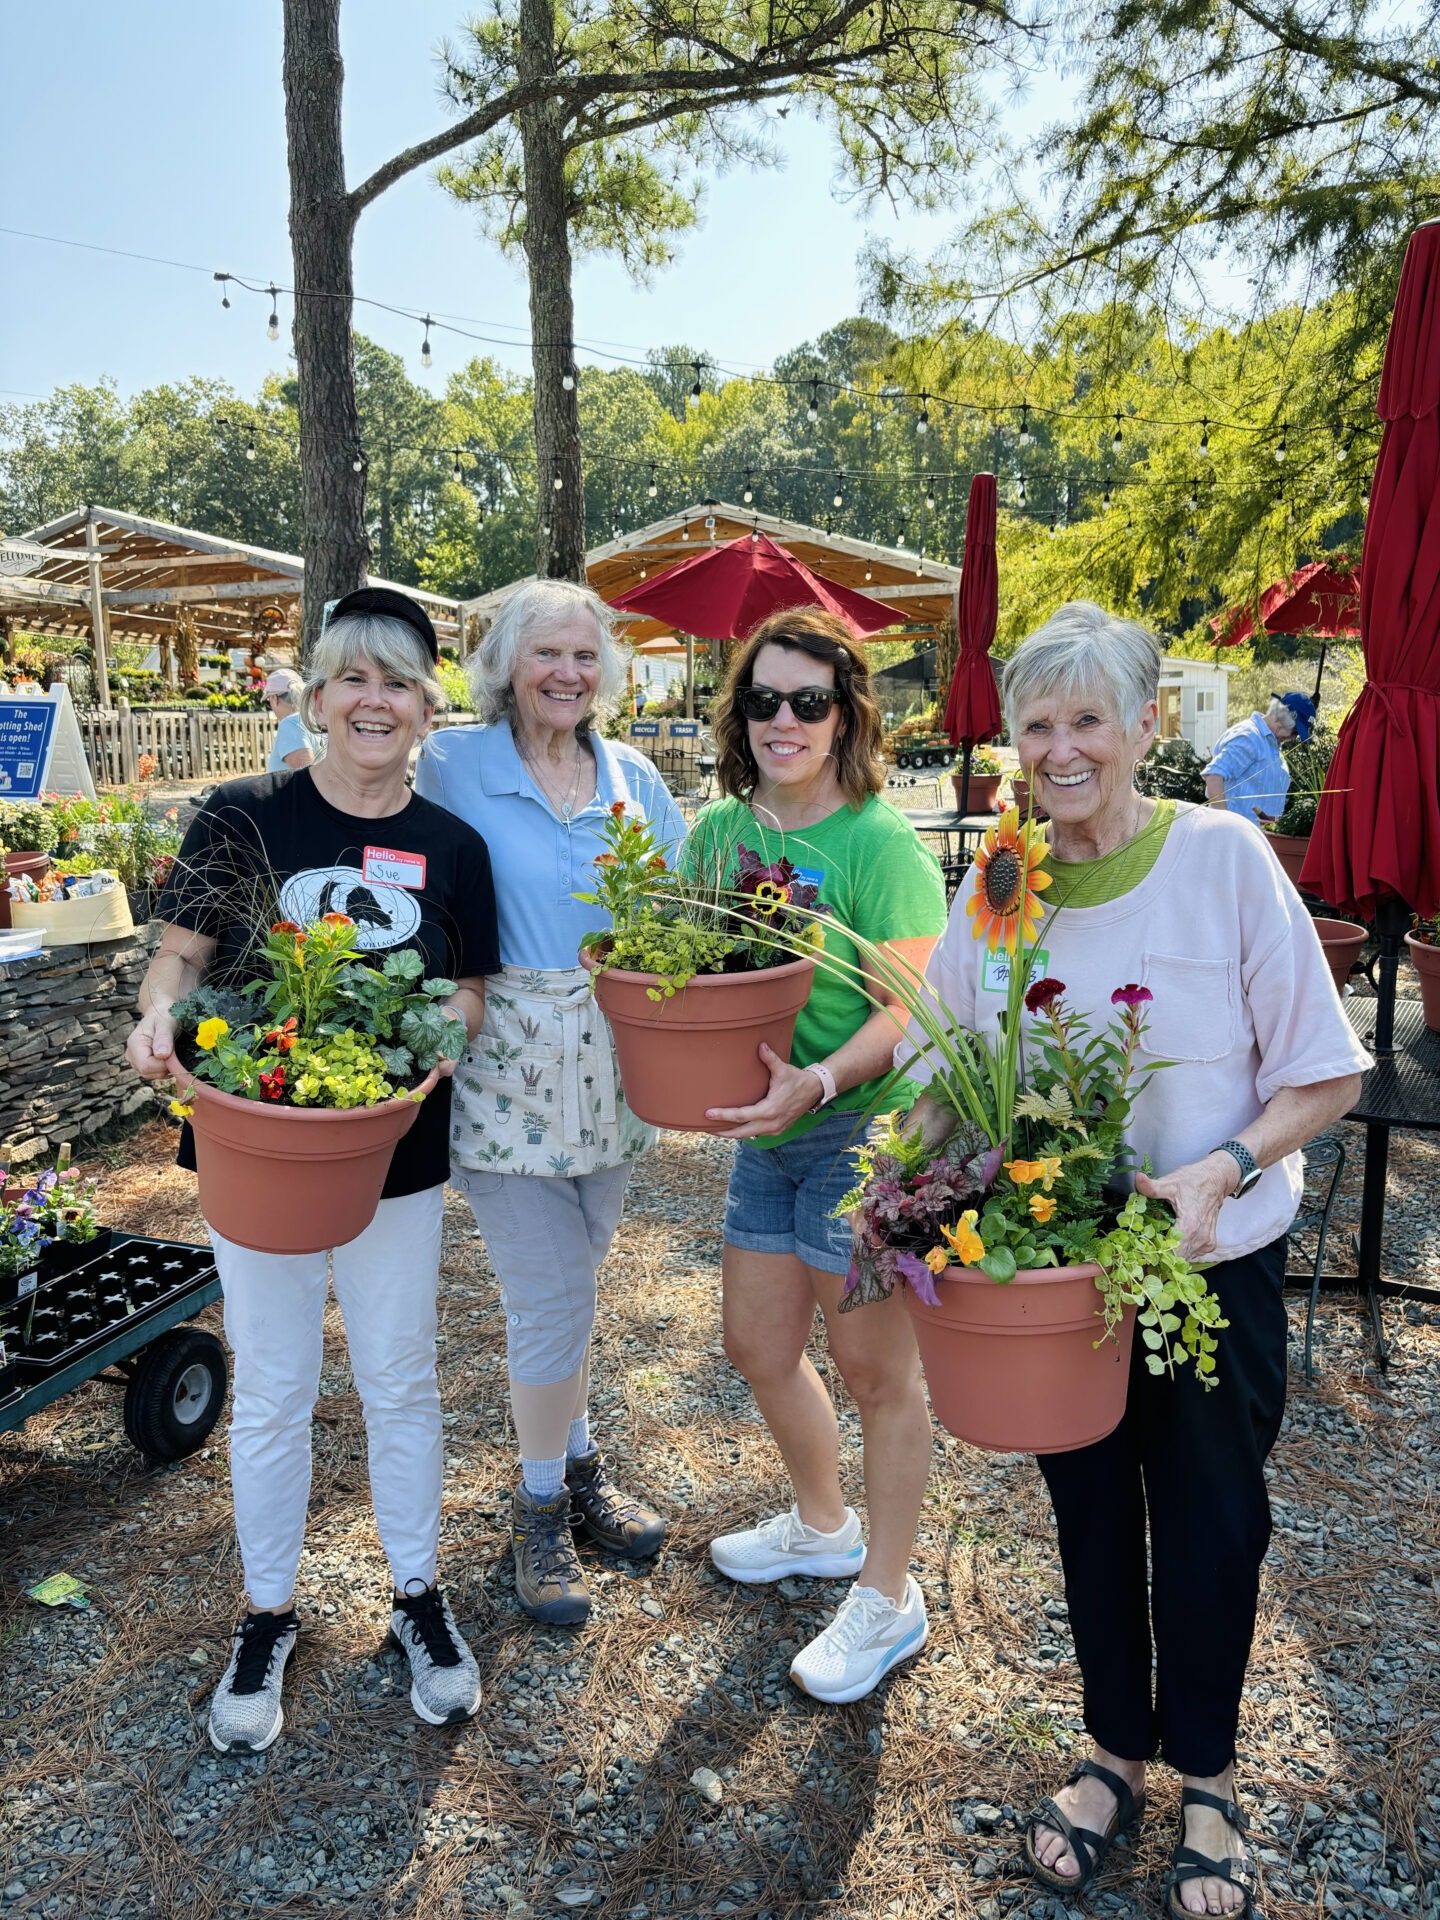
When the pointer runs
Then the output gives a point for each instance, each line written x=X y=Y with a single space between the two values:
x=1006 y=904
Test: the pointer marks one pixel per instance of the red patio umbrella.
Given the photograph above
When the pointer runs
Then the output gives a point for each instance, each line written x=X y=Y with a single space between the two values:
x=1317 y=599
x=972 y=710
x=723 y=593
x=1376 y=840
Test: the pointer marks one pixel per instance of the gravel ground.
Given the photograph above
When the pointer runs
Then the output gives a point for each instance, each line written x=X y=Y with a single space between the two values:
x=658 y=1762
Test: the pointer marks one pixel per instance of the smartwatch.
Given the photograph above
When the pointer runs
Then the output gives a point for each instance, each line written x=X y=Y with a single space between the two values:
x=828 y=1089
x=1250 y=1171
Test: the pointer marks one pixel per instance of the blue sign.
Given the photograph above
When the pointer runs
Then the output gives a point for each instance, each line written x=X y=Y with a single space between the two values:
x=644 y=729
x=27 y=730
x=684 y=729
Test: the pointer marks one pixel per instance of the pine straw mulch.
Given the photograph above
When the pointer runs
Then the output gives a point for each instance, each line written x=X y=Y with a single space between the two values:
x=853 y=1811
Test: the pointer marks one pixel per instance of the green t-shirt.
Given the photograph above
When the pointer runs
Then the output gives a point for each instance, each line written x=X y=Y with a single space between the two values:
x=1095 y=883
x=874 y=875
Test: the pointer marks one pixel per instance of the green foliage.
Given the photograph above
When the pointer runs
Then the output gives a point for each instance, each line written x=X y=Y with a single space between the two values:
x=1309 y=762
x=1172 y=770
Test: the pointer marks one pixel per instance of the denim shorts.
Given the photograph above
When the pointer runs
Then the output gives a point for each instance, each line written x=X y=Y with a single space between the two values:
x=781 y=1199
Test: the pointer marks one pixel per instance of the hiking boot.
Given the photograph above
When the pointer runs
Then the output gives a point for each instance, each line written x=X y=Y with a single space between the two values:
x=548 y=1579
x=868 y=1636
x=783 y=1545
x=614 y=1520
x=245 y=1712
x=444 y=1679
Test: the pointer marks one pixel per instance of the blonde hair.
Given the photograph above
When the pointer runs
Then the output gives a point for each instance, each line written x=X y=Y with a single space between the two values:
x=390 y=644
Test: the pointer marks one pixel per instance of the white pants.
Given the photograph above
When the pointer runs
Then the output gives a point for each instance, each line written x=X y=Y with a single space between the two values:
x=385 y=1282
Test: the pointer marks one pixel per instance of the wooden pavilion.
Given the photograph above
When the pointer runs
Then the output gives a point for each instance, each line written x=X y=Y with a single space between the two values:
x=115 y=574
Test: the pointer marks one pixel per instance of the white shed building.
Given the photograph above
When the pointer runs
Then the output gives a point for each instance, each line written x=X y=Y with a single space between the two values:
x=1194 y=702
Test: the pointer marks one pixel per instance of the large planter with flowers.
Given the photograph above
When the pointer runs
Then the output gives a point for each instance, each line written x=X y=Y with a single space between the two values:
x=696 y=973
x=293 y=1179
x=1425 y=958
x=700 y=1047
x=299 y=1095
x=1025 y=1367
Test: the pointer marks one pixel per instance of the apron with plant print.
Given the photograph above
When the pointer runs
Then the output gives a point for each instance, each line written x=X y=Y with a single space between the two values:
x=537 y=1090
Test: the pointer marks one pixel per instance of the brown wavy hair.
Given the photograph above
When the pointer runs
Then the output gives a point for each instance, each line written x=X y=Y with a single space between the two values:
x=823 y=636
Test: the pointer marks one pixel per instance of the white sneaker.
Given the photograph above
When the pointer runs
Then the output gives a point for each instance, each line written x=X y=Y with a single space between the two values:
x=245 y=1711
x=784 y=1544
x=445 y=1681
x=867 y=1637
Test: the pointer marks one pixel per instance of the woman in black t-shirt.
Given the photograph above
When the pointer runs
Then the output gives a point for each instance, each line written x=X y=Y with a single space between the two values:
x=345 y=835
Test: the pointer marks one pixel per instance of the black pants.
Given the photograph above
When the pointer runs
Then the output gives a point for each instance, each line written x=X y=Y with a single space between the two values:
x=1193 y=1462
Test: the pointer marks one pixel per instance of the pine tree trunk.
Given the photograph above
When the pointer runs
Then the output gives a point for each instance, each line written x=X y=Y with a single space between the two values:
x=560 y=552
x=322 y=229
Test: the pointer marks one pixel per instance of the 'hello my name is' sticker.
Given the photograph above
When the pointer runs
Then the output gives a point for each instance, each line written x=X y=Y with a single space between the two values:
x=386 y=867
x=995 y=975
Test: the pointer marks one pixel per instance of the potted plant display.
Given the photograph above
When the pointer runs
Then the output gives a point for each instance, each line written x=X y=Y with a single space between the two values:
x=28 y=835
x=694 y=976
x=123 y=836
x=1423 y=940
x=317 y=1066
x=1024 y=1260
x=1309 y=762
x=984 y=787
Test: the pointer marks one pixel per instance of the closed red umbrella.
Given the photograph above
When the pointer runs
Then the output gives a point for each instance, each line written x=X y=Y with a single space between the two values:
x=972 y=711
x=1317 y=599
x=1377 y=830
x=724 y=593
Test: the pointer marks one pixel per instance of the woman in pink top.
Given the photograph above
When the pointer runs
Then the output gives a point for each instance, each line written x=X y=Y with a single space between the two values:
x=1192 y=905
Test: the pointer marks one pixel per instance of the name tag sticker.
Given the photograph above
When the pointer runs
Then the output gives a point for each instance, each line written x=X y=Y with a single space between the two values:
x=387 y=868
x=995 y=975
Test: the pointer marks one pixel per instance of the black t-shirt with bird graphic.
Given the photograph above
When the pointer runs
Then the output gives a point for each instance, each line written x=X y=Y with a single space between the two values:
x=273 y=848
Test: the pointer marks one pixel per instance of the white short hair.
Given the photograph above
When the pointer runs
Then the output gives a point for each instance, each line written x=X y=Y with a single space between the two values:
x=390 y=644
x=1279 y=715
x=1083 y=649
x=541 y=606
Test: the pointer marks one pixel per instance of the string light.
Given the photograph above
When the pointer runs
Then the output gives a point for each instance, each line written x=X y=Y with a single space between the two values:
x=868 y=574
x=1025 y=423
x=558 y=483
x=1053 y=528
x=812 y=412
x=455 y=473
x=1282 y=445
x=839 y=499
x=653 y=486
x=426 y=357
x=930 y=493
x=644 y=573
x=1105 y=499
x=685 y=531
x=272 y=325
x=755 y=530
x=1117 y=439
x=922 y=425
x=357 y=465
x=1204 y=448
x=1021 y=497
x=900 y=537
x=1193 y=502
x=250 y=448
x=1365 y=497
x=749 y=494
x=699 y=368
x=567 y=378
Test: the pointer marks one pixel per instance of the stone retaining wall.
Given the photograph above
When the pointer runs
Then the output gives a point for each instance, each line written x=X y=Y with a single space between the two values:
x=64 y=1019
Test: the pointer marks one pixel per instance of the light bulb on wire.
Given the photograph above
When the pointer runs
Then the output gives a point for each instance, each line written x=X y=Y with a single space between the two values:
x=812 y=411
x=749 y=494
x=653 y=486
x=839 y=496
x=272 y=325
x=1204 y=447
x=922 y=425
x=930 y=495
x=250 y=447
x=1117 y=439
x=1282 y=445
x=1021 y=497
x=427 y=359
x=694 y=394
x=1025 y=423
x=558 y=483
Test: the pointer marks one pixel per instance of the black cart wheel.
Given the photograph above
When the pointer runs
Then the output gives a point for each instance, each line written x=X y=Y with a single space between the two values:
x=176 y=1393
x=902 y=759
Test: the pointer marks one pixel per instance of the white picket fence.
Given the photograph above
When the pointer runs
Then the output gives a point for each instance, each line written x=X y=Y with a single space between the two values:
x=205 y=745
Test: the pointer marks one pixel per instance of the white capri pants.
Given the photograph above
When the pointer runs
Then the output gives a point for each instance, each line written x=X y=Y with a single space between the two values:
x=385 y=1281
x=546 y=1236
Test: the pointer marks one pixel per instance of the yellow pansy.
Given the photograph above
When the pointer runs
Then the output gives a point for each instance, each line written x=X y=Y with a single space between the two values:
x=1041 y=1208
x=209 y=1032
x=181 y=1110
x=964 y=1241
x=1025 y=1172
x=937 y=1259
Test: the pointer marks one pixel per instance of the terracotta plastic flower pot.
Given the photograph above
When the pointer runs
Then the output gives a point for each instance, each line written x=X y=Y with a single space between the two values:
x=37 y=865
x=1015 y=1368
x=1342 y=943
x=1020 y=789
x=293 y=1179
x=984 y=791
x=1290 y=850
x=1426 y=961
x=701 y=1048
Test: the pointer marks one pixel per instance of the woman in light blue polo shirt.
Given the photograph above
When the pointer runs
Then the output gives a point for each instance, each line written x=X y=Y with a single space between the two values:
x=293 y=746
x=542 y=1141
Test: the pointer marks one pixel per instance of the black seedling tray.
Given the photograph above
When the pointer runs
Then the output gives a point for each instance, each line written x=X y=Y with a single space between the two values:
x=73 y=1313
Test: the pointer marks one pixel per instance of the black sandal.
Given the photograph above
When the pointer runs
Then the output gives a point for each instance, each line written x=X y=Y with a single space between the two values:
x=1187 y=1864
x=1088 y=1847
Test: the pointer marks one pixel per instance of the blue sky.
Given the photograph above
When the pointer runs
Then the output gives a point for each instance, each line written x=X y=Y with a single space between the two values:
x=159 y=129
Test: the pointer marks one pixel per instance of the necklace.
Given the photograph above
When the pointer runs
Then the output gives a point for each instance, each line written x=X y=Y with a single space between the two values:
x=566 y=808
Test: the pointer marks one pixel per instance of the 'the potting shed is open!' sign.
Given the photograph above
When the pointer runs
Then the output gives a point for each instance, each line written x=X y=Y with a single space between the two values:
x=27 y=740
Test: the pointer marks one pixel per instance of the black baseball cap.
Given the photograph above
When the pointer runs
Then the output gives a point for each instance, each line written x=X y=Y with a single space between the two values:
x=395 y=606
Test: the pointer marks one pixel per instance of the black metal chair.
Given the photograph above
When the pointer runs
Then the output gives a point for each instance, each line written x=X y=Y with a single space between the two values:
x=1323 y=1157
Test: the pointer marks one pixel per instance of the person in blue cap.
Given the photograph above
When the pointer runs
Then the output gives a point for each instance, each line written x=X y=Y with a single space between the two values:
x=1247 y=773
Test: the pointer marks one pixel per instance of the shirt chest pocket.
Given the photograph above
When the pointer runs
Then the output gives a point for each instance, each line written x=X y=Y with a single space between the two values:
x=1195 y=1014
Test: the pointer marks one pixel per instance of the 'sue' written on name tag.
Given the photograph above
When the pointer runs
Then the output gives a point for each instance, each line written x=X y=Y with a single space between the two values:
x=393 y=869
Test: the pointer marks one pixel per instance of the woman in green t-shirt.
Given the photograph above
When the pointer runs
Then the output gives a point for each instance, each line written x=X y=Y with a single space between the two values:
x=798 y=733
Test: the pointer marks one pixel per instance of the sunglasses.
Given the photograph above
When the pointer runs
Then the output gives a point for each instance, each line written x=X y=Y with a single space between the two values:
x=808 y=704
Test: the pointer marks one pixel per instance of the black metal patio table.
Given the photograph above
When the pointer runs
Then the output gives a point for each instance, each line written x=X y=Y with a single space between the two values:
x=1402 y=1089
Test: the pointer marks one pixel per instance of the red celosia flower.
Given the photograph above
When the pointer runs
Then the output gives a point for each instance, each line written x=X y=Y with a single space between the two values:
x=336 y=920
x=1043 y=994
x=1131 y=996
x=617 y=807
x=285 y=926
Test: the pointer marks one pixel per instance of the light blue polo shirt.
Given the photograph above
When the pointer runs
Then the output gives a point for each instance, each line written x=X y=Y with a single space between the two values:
x=538 y=863
x=290 y=737
x=1249 y=761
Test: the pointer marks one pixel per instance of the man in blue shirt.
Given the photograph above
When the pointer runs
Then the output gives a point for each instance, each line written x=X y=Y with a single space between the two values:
x=1246 y=774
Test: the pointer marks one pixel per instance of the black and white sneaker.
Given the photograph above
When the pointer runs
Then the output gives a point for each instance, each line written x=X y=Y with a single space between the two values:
x=245 y=1713
x=444 y=1679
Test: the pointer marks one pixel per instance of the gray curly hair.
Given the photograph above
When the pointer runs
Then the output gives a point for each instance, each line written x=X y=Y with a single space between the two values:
x=540 y=606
